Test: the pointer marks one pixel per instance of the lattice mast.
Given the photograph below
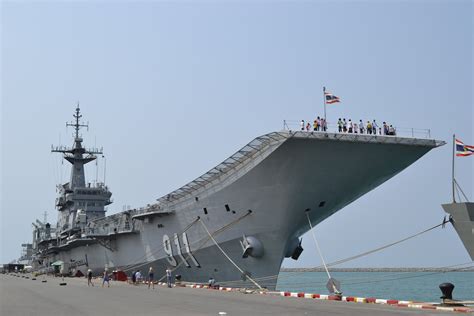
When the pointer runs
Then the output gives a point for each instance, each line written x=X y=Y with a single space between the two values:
x=75 y=154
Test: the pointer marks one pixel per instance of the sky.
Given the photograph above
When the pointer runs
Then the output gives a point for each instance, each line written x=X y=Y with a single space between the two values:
x=171 y=89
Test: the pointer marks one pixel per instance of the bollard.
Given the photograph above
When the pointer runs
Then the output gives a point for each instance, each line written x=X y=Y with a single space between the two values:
x=447 y=290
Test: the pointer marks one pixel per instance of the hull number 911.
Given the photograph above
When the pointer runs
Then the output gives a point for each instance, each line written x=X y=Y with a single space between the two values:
x=169 y=250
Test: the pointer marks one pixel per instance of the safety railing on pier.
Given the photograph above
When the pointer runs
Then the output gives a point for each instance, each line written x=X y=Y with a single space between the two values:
x=295 y=125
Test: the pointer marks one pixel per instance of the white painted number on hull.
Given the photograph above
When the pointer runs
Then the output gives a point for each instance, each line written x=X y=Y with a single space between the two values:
x=169 y=250
x=178 y=248
x=188 y=250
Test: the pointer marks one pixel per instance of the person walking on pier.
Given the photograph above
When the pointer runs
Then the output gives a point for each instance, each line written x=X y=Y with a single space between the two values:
x=134 y=277
x=89 y=278
x=151 y=277
x=138 y=277
x=168 y=277
x=106 y=278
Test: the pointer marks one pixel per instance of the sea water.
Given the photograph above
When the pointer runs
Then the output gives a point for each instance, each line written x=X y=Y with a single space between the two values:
x=415 y=286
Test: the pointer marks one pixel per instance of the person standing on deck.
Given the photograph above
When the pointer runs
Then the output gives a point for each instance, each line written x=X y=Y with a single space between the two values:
x=302 y=125
x=374 y=127
x=339 y=125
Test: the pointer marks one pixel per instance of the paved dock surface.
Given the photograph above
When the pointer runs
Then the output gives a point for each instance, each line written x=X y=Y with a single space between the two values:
x=21 y=296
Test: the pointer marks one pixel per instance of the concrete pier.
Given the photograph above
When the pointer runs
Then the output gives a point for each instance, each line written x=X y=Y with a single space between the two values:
x=21 y=296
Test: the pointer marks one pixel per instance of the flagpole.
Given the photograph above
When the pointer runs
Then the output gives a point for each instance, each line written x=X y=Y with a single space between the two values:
x=324 y=99
x=454 y=153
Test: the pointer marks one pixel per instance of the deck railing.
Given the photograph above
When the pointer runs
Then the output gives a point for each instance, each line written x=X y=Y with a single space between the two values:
x=295 y=125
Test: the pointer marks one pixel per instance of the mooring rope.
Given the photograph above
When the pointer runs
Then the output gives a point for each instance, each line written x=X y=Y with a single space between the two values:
x=317 y=246
x=138 y=262
x=206 y=239
x=387 y=245
x=267 y=278
x=367 y=279
x=331 y=281
x=334 y=263
x=231 y=261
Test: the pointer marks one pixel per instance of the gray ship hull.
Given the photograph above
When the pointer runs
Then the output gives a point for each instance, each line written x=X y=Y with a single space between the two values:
x=289 y=176
x=463 y=216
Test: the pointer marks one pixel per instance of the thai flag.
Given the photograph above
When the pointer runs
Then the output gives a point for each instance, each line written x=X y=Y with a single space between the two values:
x=463 y=150
x=330 y=98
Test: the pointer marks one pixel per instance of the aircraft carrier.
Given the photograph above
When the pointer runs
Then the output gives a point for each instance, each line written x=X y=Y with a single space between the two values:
x=251 y=209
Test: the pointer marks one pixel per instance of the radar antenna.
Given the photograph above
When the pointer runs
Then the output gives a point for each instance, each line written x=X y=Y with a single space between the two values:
x=77 y=125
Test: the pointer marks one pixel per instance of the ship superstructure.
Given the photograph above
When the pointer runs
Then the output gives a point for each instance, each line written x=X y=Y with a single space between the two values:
x=77 y=202
x=254 y=205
